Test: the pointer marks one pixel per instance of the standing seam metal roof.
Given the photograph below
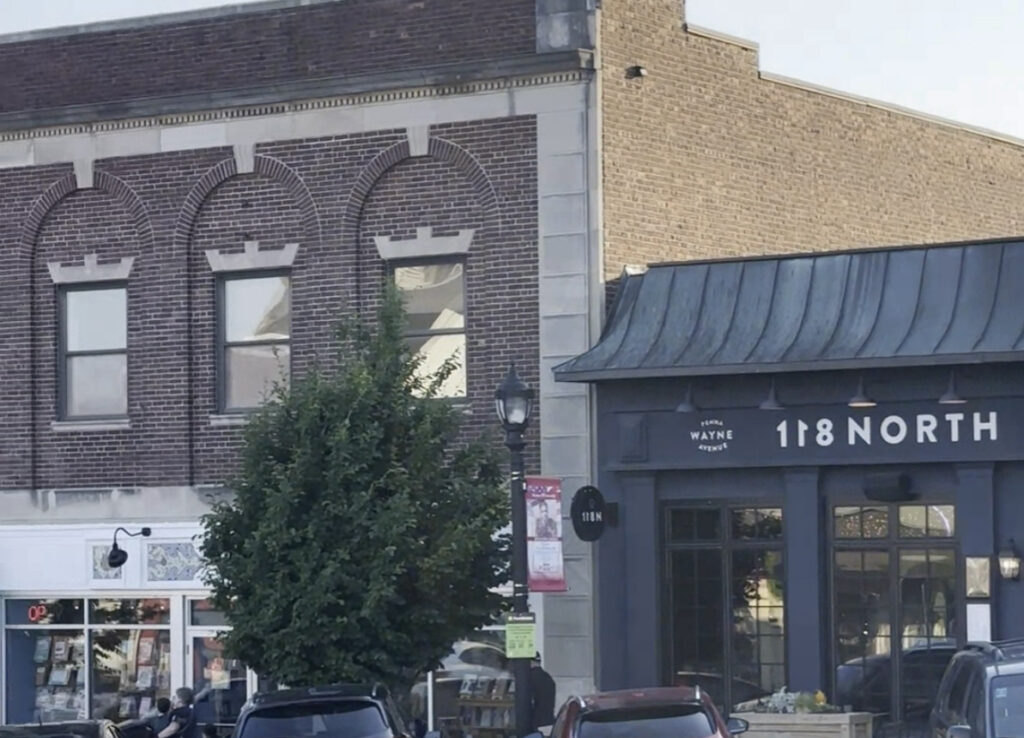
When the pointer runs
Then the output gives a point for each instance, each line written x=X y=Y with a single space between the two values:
x=949 y=304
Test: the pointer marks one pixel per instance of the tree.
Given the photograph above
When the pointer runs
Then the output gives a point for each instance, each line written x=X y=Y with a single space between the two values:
x=362 y=538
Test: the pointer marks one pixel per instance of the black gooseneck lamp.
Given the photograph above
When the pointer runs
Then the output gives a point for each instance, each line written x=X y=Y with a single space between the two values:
x=118 y=556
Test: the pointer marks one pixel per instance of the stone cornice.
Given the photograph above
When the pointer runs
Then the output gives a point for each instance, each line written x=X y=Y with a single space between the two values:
x=334 y=92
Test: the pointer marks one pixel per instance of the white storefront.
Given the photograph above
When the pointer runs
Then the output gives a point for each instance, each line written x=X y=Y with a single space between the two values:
x=84 y=640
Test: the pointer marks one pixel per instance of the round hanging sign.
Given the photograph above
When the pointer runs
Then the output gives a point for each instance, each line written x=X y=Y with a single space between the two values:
x=588 y=513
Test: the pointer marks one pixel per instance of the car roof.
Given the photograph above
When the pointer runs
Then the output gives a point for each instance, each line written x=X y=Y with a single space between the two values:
x=641 y=697
x=316 y=694
x=998 y=657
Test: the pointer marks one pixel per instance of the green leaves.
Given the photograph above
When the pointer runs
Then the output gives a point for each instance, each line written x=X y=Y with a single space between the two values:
x=362 y=538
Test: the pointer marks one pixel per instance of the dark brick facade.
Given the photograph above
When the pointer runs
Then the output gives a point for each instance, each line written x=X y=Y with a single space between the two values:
x=344 y=38
x=329 y=195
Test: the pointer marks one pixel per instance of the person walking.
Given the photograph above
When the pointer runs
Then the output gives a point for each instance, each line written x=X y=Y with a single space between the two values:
x=542 y=689
x=182 y=720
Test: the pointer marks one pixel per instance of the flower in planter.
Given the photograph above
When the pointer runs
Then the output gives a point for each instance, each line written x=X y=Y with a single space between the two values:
x=789 y=703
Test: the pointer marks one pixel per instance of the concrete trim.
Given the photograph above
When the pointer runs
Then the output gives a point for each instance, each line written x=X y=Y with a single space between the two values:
x=719 y=36
x=425 y=244
x=84 y=179
x=419 y=140
x=245 y=157
x=442 y=80
x=92 y=271
x=90 y=426
x=252 y=258
x=228 y=419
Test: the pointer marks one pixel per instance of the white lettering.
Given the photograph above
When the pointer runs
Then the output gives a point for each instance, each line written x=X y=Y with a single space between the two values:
x=825 y=436
x=781 y=428
x=801 y=433
x=954 y=425
x=926 y=425
x=855 y=431
x=901 y=429
x=695 y=435
x=989 y=425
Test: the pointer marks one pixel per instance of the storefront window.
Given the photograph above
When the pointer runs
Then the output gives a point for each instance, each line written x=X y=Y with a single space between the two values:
x=130 y=612
x=45 y=675
x=219 y=682
x=130 y=671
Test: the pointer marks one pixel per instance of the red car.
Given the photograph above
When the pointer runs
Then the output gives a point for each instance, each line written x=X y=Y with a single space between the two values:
x=673 y=712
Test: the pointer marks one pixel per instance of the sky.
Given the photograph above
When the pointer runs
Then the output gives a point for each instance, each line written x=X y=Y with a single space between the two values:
x=958 y=59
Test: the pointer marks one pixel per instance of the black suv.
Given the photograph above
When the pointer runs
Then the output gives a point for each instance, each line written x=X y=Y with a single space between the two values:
x=343 y=711
x=982 y=693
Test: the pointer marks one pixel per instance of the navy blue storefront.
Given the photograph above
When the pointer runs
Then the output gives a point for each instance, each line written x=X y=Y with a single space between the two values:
x=817 y=460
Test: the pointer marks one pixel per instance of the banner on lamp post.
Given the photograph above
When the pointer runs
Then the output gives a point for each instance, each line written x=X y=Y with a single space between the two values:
x=544 y=534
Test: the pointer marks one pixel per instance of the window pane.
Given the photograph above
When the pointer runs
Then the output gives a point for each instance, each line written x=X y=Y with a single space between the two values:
x=847 y=522
x=96 y=320
x=45 y=677
x=433 y=294
x=45 y=612
x=941 y=521
x=130 y=612
x=251 y=370
x=913 y=522
x=257 y=309
x=97 y=385
x=876 y=522
x=435 y=350
x=219 y=680
x=131 y=669
x=203 y=613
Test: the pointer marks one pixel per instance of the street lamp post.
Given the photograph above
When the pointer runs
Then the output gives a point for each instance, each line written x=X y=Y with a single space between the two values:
x=514 y=402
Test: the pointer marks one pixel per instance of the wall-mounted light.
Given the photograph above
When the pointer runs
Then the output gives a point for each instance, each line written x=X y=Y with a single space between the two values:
x=860 y=399
x=950 y=396
x=687 y=405
x=771 y=402
x=118 y=556
x=636 y=71
x=1009 y=562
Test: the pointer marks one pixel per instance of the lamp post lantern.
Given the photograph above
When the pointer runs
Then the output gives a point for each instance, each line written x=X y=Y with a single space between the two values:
x=514 y=402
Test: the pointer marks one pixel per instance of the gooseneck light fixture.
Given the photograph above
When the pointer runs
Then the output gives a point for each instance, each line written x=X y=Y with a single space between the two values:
x=950 y=396
x=687 y=405
x=118 y=556
x=1009 y=562
x=860 y=399
x=771 y=402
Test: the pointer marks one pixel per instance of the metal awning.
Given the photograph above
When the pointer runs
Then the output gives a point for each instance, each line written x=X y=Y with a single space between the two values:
x=921 y=305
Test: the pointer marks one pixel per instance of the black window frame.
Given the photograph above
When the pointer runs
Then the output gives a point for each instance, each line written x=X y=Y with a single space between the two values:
x=63 y=353
x=462 y=260
x=727 y=544
x=221 y=343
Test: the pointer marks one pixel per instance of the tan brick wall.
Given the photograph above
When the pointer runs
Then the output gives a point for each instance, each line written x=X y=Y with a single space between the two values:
x=703 y=158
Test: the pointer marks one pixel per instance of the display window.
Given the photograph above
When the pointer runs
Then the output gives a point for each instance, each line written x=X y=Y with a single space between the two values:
x=73 y=659
x=220 y=683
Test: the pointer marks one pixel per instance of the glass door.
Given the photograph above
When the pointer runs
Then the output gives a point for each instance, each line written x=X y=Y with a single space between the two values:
x=895 y=609
x=725 y=622
x=221 y=685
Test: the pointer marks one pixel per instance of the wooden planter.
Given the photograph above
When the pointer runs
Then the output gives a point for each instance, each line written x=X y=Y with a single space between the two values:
x=807 y=725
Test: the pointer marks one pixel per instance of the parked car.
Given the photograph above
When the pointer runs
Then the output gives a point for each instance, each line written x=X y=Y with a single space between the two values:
x=982 y=693
x=865 y=684
x=79 y=729
x=340 y=711
x=679 y=712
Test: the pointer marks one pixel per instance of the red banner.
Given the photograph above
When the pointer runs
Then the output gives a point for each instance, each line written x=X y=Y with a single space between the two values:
x=544 y=534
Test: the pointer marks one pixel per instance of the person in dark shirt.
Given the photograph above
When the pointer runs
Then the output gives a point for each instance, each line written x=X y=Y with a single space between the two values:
x=183 y=722
x=542 y=688
x=163 y=716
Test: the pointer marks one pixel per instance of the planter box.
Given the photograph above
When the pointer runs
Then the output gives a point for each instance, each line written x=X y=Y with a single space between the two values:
x=807 y=725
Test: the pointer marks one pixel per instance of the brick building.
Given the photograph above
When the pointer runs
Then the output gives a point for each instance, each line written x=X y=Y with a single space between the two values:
x=191 y=199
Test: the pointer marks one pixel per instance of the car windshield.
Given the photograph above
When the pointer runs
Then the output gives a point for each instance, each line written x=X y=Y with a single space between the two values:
x=354 y=719
x=1008 y=706
x=661 y=721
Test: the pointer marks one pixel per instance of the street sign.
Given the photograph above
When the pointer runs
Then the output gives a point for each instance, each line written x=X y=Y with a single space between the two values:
x=589 y=513
x=521 y=636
